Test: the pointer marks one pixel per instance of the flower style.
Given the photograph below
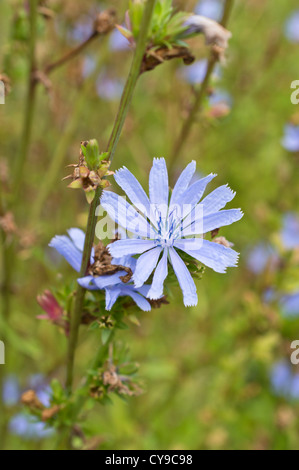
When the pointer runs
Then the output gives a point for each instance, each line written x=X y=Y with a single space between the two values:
x=161 y=227
x=71 y=248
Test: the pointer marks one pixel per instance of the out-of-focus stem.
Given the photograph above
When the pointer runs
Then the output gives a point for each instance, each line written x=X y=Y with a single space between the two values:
x=63 y=144
x=71 y=54
x=112 y=144
x=8 y=242
x=187 y=126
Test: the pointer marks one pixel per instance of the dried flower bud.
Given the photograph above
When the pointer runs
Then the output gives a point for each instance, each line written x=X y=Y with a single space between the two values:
x=223 y=241
x=30 y=399
x=49 y=413
x=7 y=223
x=105 y=21
x=156 y=57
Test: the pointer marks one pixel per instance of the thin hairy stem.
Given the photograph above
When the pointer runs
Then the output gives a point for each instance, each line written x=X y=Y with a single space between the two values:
x=200 y=95
x=112 y=144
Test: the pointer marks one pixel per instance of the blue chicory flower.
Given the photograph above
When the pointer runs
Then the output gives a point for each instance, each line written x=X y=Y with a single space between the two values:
x=29 y=428
x=220 y=96
x=290 y=305
x=284 y=381
x=161 y=227
x=108 y=88
x=290 y=139
x=212 y=9
x=261 y=256
x=117 y=42
x=71 y=248
x=11 y=393
x=195 y=73
x=290 y=231
x=292 y=27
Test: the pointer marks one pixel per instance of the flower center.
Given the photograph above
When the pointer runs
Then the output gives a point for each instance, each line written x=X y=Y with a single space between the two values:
x=168 y=228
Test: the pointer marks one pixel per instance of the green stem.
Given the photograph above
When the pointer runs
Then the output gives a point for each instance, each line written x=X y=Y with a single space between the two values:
x=113 y=141
x=187 y=126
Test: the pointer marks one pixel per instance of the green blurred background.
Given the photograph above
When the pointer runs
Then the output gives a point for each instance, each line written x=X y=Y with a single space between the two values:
x=206 y=370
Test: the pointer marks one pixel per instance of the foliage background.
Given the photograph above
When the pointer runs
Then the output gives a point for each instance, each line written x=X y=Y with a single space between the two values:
x=205 y=369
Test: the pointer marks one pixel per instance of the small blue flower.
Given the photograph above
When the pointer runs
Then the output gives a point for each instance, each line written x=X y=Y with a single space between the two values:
x=290 y=231
x=290 y=139
x=161 y=227
x=261 y=256
x=292 y=27
x=284 y=381
x=109 y=89
x=11 y=393
x=290 y=304
x=118 y=42
x=89 y=66
x=195 y=73
x=81 y=30
x=71 y=248
x=29 y=428
x=212 y=9
x=219 y=97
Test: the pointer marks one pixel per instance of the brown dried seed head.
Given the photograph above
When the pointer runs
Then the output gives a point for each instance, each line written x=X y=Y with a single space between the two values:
x=105 y=21
x=30 y=398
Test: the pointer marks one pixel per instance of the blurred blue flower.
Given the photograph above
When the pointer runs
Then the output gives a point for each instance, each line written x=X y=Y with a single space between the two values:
x=290 y=304
x=284 y=381
x=81 y=30
x=109 y=89
x=212 y=9
x=292 y=27
x=220 y=96
x=38 y=383
x=71 y=248
x=89 y=66
x=170 y=225
x=290 y=139
x=11 y=393
x=28 y=427
x=261 y=256
x=195 y=73
x=118 y=42
x=290 y=231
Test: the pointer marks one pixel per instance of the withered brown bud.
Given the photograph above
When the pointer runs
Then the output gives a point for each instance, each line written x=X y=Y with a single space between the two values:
x=49 y=413
x=7 y=223
x=30 y=399
x=105 y=21
x=102 y=264
x=7 y=83
x=158 y=302
x=153 y=58
x=223 y=241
